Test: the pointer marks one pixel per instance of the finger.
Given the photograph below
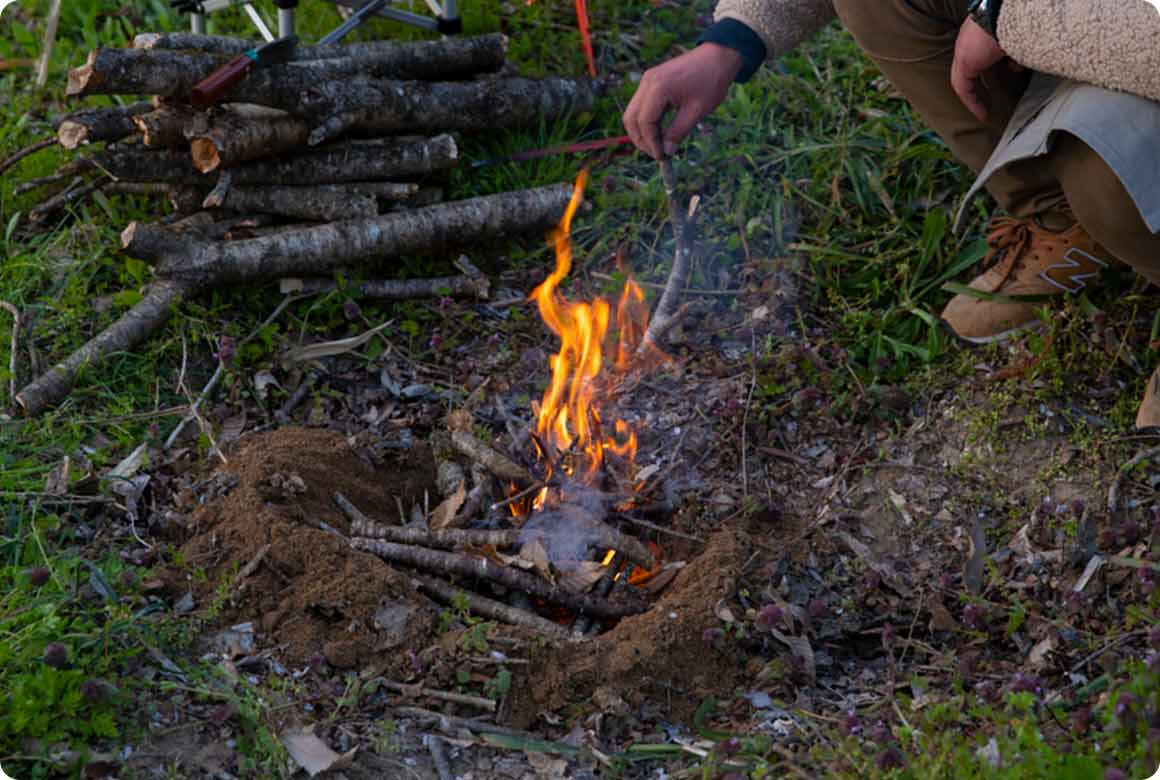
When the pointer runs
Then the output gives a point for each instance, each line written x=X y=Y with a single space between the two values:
x=687 y=117
x=969 y=91
x=653 y=103
x=631 y=121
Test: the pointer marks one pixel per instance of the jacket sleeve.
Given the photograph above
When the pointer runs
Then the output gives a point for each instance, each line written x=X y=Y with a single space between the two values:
x=781 y=24
x=1110 y=43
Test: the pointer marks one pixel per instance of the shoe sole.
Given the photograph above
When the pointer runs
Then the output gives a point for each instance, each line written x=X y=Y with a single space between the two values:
x=979 y=341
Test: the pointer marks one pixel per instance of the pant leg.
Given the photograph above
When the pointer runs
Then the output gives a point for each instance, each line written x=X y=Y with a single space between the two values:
x=913 y=44
x=1103 y=206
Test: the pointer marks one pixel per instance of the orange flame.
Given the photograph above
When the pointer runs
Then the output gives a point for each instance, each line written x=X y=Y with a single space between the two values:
x=568 y=418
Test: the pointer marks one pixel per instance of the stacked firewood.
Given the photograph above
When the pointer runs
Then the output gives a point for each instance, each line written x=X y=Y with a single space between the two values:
x=322 y=164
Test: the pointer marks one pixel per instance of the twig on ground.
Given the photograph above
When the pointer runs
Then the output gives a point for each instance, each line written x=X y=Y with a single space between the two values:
x=252 y=566
x=14 y=345
x=299 y=395
x=74 y=193
x=745 y=418
x=194 y=409
x=451 y=724
x=417 y=691
x=449 y=538
x=465 y=565
x=1121 y=475
x=25 y=152
x=438 y=755
x=490 y=608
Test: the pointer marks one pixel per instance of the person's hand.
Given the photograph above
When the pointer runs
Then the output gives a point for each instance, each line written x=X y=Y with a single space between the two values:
x=976 y=52
x=694 y=83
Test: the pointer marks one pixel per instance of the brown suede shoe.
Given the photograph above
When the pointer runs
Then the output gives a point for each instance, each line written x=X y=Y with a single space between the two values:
x=1148 y=415
x=1025 y=259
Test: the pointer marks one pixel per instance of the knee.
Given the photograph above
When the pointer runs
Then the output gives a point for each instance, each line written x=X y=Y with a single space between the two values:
x=1102 y=205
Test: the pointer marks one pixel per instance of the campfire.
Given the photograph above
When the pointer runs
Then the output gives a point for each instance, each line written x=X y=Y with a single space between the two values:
x=558 y=545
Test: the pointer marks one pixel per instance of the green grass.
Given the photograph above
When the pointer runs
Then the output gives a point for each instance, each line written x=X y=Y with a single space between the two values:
x=810 y=160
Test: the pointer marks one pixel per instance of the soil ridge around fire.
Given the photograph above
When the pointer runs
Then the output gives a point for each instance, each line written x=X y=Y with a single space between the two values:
x=310 y=593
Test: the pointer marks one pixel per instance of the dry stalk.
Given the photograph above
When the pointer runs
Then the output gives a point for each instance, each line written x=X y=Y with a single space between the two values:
x=13 y=346
x=417 y=691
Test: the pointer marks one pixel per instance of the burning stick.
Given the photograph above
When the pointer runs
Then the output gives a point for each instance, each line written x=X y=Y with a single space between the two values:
x=482 y=568
x=667 y=314
x=495 y=462
x=481 y=605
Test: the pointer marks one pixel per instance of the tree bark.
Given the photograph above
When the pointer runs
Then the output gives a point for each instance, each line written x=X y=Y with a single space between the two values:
x=322 y=203
x=353 y=161
x=448 y=58
x=99 y=124
x=230 y=137
x=380 y=107
x=123 y=335
x=482 y=568
x=171 y=73
x=166 y=126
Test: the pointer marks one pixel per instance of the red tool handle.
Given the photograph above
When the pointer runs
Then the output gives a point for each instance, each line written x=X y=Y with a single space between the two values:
x=216 y=85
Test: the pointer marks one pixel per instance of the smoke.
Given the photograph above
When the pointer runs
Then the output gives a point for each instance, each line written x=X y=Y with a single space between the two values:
x=568 y=530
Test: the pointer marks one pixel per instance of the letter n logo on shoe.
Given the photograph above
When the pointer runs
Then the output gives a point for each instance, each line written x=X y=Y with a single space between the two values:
x=1071 y=273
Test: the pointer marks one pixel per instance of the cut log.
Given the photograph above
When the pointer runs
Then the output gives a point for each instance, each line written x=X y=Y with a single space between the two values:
x=166 y=126
x=382 y=107
x=122 y=336
x=173 y=73
x=231 y=137
x=482 y=568
x=187 y=265
x=95 y=125
x=327 y=248
x=449 y=58
x=344 y=91
x=354 y=161
x=322 y=203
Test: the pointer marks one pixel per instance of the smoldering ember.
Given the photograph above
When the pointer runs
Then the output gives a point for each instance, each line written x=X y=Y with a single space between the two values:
x=736 y=389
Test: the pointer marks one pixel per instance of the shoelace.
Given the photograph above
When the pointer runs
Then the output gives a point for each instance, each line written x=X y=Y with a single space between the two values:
x=1009 y=241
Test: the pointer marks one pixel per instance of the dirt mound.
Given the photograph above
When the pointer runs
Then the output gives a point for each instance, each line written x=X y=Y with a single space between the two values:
x=310 y=592
x=661 y=654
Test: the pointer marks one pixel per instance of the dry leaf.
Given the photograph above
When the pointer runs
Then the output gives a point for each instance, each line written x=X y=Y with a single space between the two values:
x=460 y=420
x=311 y=753
x=941 y=618
x=444 y=514
x=580 y=576
x=546 y=767
x=976 y=564
x=723 y=613
x=1039 y=654
x=534 y=553
x=802 y=650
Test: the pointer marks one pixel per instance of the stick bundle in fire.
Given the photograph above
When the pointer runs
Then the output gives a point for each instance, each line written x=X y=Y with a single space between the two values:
x=560 y=509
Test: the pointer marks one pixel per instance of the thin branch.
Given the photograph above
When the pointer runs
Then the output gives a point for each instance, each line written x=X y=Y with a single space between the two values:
x=490 y=608
x=1121 y=475
x=25 y=152
x=668 y=310
x=13 y=346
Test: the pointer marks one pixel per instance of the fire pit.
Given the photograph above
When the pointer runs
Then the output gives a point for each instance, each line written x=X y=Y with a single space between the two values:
x=556 y=540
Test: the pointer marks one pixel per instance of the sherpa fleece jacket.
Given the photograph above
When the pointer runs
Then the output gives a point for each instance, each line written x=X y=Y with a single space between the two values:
x=1110 y=43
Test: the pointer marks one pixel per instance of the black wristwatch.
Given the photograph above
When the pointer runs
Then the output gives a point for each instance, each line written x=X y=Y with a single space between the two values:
x=986 y=15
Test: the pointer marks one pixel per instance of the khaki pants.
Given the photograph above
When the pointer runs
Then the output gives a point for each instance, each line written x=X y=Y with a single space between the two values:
x=913 y=42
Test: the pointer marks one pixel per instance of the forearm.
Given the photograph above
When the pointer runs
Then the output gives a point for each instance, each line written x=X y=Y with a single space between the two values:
x=1109 y=43
x=766 y=29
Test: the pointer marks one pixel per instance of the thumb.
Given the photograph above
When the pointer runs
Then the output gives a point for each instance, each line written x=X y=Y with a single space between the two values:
x=686 y=119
